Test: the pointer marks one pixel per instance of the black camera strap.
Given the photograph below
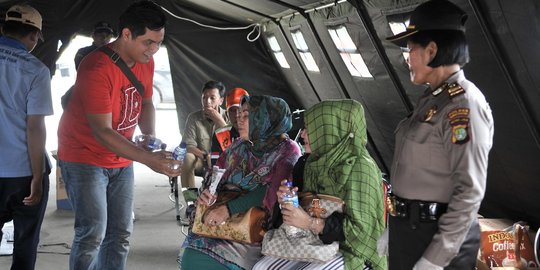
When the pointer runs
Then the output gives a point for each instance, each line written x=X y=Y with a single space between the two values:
x=125 y=69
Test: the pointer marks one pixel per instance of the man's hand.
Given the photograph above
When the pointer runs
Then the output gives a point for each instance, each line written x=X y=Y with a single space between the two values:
x=162 y=162
x=36 y=192
x=202 y=155
x=215 y=116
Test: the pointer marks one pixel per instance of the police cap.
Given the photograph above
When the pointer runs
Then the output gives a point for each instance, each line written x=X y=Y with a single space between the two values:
x=432 y=15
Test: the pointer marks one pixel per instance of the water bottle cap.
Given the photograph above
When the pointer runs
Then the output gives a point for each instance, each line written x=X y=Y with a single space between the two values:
x=289 y=183
x=183 y=144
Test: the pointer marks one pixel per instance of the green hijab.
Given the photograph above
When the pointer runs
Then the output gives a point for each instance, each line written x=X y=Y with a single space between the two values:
x=340 y=165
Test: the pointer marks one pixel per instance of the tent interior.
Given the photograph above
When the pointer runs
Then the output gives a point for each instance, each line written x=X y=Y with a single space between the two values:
x=306 y=51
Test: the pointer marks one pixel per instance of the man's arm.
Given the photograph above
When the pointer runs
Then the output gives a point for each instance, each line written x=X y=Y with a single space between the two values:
x=190 y=136
x=147 y=122
x=108 y=137
x=35 y=136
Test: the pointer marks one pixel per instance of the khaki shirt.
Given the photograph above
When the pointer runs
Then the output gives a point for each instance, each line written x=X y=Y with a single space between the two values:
x=199 y=130
x=442 y=156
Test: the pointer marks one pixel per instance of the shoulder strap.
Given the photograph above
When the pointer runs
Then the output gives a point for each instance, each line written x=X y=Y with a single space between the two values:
x=125 y=69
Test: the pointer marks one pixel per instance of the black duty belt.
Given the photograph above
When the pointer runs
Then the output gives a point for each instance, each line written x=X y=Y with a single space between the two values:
x=414 y=209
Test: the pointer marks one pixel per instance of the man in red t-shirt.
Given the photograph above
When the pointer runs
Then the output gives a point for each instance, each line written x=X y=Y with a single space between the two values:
x=95 y=150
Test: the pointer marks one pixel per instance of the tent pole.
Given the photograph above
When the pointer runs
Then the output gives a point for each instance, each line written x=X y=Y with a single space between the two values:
x=372 y=33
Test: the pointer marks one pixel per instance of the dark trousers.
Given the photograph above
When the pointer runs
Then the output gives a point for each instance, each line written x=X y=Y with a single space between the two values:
x=26 y=219
x=407 y=245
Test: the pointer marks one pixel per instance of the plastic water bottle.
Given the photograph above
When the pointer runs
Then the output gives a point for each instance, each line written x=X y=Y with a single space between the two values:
x=180 y=151
x=149 y=142
x=292 y=198
x=155 y=144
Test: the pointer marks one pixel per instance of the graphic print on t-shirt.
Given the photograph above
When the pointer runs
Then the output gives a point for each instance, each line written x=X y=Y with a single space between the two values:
x=130 y=109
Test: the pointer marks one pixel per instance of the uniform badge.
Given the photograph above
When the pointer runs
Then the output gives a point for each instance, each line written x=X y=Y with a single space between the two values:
x=391 y=205
x=460 y=134
x=438 y=90
x=455 y=89
x=430 y=113
x=459 y=121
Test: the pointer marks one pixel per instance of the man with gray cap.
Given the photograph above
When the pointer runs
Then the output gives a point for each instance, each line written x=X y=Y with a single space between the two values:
x=102 y=34
x=25 y=100
x=441 y=156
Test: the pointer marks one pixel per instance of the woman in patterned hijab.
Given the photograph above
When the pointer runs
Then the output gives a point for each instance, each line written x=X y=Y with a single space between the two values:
x=256 y=165
x=340 y=165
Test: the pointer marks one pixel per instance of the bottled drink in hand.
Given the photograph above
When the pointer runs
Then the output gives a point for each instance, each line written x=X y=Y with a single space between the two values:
x=149 y=142
x=291 y=197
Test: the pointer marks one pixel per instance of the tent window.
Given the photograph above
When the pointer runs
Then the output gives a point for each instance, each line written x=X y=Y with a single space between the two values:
x=278 y=53
x=349 y=53
x=398 y=27
x=304 y=52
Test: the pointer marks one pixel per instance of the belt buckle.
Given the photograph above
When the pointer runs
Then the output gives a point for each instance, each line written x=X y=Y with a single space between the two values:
x=429 y=211
x=402 y=208
x=390 y=205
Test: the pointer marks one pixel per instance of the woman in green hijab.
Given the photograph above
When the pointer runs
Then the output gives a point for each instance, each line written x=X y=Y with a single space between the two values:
x=339 y=165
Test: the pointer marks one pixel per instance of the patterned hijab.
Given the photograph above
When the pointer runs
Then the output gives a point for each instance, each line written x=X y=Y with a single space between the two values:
x=340 y=165
x=269 y=118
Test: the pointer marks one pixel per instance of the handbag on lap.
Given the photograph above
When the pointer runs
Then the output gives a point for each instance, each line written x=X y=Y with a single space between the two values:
x=245 y=227
x=308 y=248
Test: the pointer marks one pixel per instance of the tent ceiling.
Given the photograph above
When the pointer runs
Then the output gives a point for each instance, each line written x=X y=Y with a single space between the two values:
x=249 y=11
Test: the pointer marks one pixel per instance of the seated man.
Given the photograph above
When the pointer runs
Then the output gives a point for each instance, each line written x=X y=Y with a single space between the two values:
x=226 y=135
x=199 y=129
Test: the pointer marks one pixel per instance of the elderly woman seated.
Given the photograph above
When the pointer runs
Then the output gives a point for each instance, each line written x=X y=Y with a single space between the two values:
x=256 y=165
x=339 y=165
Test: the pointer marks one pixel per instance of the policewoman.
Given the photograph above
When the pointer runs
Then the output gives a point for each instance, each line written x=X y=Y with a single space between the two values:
x=441 y=156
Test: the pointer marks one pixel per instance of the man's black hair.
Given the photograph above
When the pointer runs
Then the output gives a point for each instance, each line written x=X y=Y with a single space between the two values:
x=452 y=46
x=142 y=15
x=17 y=29
x=215 y=84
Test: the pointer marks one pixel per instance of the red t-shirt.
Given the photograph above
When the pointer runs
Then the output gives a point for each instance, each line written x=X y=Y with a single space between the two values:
x=101 y=87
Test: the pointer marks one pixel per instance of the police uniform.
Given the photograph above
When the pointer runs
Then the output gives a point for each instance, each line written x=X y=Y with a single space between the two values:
x=439 y=175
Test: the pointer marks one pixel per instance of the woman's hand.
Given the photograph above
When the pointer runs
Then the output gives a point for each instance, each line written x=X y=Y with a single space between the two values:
x=295 y=216
x=217 y=216
x=206 y=198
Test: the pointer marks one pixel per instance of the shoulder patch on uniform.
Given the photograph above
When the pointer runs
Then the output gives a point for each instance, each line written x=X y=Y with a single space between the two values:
x=459 y=112
x=455 y=89
x=459 y=121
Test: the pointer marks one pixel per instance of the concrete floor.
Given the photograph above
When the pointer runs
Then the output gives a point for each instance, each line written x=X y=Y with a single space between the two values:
x=156 y=236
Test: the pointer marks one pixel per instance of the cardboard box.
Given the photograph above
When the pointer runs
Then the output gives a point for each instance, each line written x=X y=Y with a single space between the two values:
x=497 y=245
x=62 y=201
